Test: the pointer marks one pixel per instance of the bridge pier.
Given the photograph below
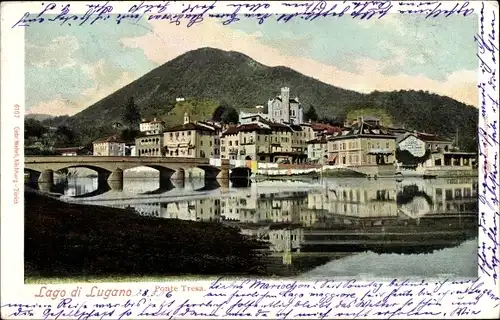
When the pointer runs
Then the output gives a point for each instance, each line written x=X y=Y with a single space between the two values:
x=47 y=176
x=224 y=170
x=179 y=175
x=115 y=179
x=223 y=174
x=178 y=178
x=224 y=184
x=45 y=187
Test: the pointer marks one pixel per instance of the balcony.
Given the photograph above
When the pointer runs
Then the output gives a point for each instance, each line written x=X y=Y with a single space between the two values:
x=233 y=150
x=242 y=152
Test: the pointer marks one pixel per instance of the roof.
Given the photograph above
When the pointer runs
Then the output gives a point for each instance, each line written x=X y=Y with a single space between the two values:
x=70 y=149
x=321 y=139
x=324 y=127
x=291 y=100
x=213 y=124
x=362 y=129
x=245 y=115
x=152 y=121
x=296 y=127
x=111 y=139
x=191 y=126
x=263 y=126
x=370 y=118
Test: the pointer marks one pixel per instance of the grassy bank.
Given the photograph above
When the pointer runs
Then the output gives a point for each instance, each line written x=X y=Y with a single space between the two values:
x=80 y=241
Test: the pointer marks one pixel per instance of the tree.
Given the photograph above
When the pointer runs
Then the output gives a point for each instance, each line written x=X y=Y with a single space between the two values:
x=65 y=135
x=131 y=116
x=311 y=114
x=34 y=128
x=231 y=116
x=219 y=112
x=129 y=134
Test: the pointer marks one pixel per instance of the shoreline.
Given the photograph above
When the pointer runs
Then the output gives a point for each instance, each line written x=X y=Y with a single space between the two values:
x=69 y=240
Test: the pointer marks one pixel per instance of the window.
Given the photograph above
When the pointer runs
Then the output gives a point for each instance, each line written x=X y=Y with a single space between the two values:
x=449 y=194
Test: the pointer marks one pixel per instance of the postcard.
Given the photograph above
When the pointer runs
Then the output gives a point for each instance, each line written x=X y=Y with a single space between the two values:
x=277 y=160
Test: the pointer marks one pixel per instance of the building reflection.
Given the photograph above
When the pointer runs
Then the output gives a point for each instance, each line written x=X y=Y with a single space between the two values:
x=368 y=215
x=81 y=187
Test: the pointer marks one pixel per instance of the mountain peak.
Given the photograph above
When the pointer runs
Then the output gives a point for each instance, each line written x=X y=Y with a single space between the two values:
x=211 y=74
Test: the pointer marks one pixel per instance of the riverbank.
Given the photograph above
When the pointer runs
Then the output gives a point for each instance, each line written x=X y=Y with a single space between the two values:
x=328 y=173
x=73 y=240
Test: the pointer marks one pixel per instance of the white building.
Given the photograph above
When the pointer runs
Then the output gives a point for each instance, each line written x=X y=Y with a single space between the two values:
x=152 y=127
x=281 y=109
x=284 y=109
x=74 y=151
x=109 y=146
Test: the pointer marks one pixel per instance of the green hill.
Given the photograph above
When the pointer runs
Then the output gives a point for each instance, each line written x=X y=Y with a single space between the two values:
x=218 y=76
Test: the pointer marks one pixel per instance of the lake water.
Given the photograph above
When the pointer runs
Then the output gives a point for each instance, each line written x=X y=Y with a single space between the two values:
x=332 y=227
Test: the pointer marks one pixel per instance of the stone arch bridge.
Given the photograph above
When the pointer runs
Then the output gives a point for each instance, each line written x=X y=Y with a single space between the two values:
x=110 y=169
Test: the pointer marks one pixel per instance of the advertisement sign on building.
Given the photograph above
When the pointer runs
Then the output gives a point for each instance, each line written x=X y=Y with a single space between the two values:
x=413 y=145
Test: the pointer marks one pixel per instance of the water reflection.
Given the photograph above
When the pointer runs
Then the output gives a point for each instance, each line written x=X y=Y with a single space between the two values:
x=325 y=221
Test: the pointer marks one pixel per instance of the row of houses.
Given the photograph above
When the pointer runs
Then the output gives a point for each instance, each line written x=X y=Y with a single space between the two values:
x=364 y=142
x=280 y=135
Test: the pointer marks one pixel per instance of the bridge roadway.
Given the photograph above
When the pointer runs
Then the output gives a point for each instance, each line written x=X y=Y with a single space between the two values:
x=110 y=169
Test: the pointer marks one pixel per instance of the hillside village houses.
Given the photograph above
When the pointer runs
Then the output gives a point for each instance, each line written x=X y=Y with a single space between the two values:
x=280 y=135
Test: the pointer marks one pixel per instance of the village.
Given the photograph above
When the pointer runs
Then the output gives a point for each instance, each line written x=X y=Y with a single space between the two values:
x=281 y=136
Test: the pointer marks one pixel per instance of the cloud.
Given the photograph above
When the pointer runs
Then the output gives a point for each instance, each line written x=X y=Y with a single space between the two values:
x=167 y=41
x=57 y=54
x=105 y=81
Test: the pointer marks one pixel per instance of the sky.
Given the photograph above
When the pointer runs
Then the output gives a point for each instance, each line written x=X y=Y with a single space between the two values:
x=70 y=68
